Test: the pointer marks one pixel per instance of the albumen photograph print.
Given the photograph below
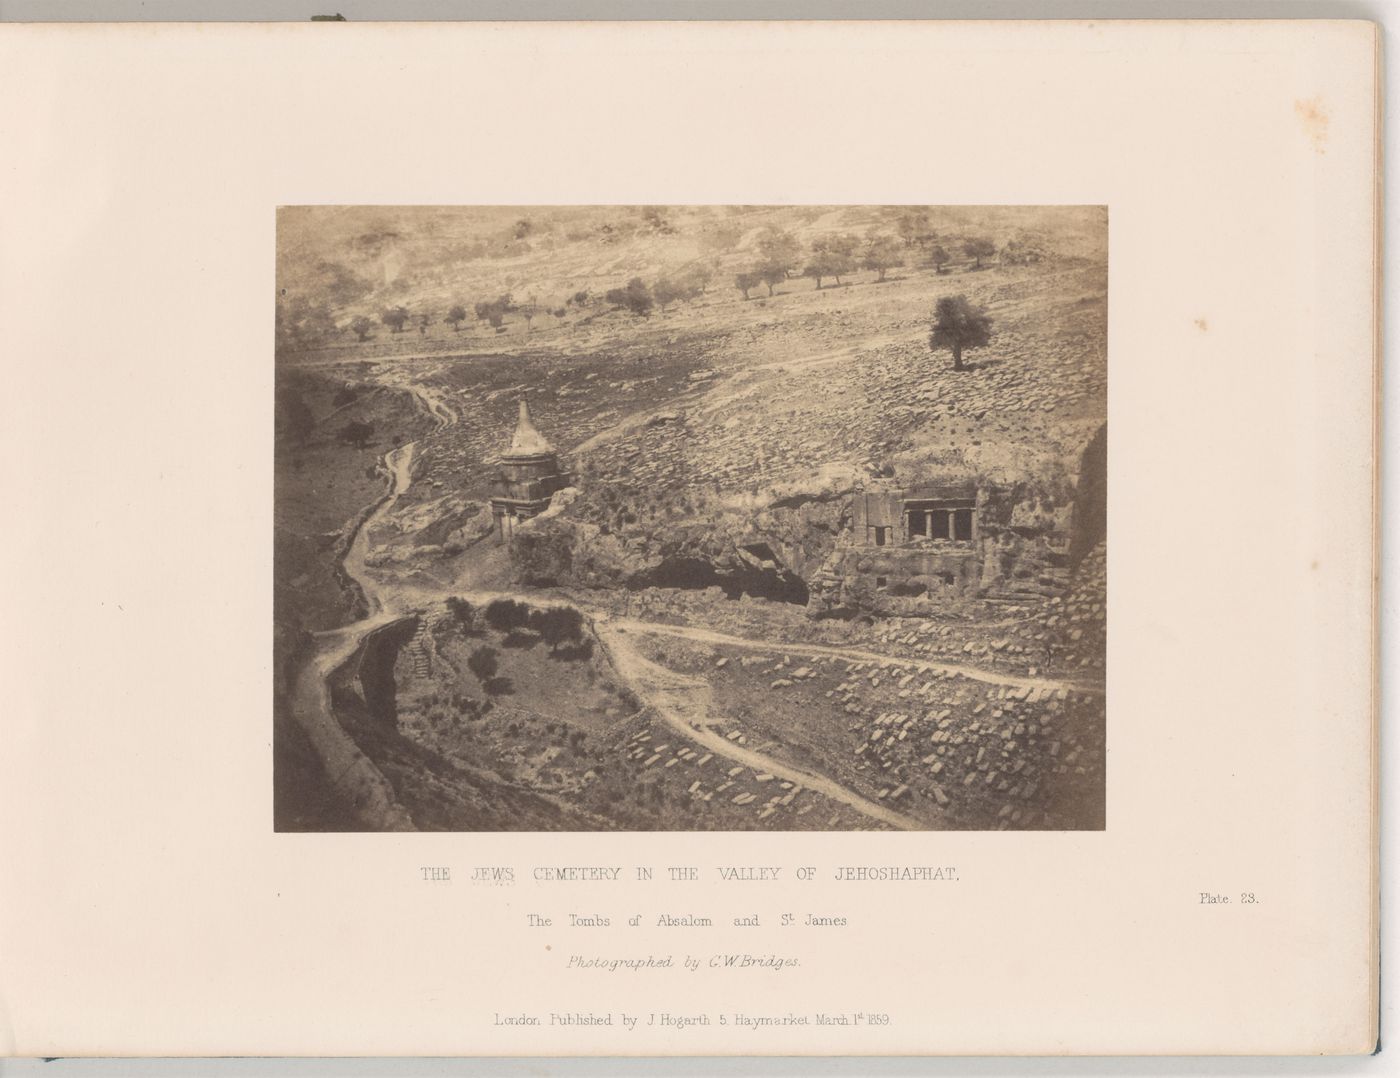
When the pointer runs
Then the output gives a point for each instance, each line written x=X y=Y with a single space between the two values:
x=690 y=518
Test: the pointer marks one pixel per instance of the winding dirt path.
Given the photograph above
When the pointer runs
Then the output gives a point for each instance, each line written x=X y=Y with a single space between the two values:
x=398 y=464
x=683 y=703
x=354 y=775
x=976 y=673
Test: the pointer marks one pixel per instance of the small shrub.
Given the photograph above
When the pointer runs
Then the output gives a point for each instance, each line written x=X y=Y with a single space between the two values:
x=462 y=610
x=504 y=615
x=483 y=663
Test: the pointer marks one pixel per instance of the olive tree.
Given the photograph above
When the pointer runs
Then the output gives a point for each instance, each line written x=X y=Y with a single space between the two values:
x=958 y=324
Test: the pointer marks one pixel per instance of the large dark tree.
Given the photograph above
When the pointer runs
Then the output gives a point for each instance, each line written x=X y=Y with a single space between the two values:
x=778 y=250
x=831 y=257
x=395 y=318
x=456 y=315
x=494 y=311
x=978 y=248
x=745 y=281
x=461 y=609
x=300 y=321
x=507 y=615
x=958 y=324
x=1020 y=253
x=882 y=254
x=557 y=624
x=694 y=279
x=482 y=662
x=666 y=291
x=770 y=275
x=915 y=229
x=636 y=297
x=361 y=327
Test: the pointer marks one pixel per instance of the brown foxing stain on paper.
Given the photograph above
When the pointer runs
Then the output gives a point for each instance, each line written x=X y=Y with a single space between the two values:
x=1314 y=119
x=1202 y=324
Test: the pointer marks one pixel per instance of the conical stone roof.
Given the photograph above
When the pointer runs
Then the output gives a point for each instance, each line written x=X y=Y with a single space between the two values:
x=527 y=441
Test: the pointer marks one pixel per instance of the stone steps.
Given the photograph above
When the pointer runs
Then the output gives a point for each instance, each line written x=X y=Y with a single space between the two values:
x=418 y=652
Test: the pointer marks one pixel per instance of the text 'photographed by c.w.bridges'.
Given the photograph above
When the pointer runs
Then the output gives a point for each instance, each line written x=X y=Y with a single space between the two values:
x=690 y=518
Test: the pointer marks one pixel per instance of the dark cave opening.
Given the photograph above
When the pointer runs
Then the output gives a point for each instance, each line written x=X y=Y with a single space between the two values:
x=776 y=584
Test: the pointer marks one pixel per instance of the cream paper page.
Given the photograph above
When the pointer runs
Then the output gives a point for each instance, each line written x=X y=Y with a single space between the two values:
x=148 y=906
